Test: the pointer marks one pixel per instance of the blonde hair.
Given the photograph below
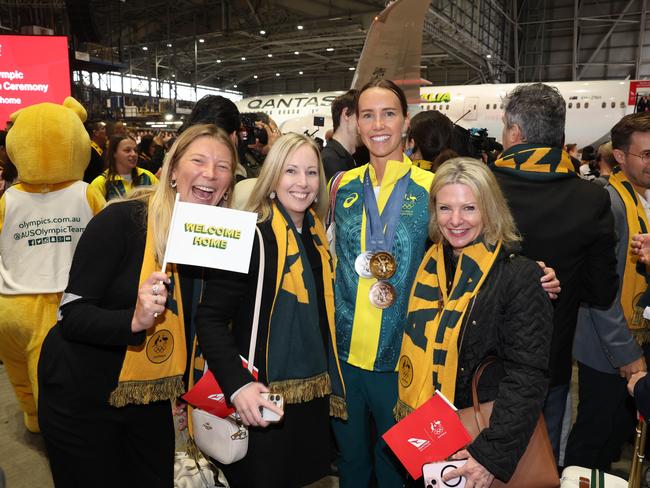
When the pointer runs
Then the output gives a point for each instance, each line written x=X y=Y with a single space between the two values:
x=498 y=223
x=272 y=170
x=163 y=196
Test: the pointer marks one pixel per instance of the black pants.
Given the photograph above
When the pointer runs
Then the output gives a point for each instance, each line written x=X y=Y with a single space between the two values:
x=606 y=419
x=132 y=446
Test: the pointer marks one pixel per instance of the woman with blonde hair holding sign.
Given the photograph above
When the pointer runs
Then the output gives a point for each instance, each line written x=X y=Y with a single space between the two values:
x=117 y=356
x=295 y=349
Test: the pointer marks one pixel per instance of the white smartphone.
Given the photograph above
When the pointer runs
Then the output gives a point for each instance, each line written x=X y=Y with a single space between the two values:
x=278 y=401
x=433 y=473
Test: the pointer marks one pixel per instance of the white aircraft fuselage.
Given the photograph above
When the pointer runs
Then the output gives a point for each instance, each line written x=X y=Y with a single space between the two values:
x=593 y=107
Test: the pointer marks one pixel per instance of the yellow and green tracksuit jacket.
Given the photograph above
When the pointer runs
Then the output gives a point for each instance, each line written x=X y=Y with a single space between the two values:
x=368 y=337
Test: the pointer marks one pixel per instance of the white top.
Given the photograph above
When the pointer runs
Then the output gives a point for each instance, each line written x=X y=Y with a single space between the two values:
x=39 y=236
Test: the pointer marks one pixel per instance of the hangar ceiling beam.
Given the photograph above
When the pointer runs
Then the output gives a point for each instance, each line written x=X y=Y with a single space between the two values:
x=639 y=50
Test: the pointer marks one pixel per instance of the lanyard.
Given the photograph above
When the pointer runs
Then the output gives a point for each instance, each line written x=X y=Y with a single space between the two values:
x=378 y=239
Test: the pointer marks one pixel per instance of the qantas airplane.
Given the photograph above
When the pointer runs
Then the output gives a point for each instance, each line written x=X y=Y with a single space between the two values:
x=392 y=50
x=593 y=107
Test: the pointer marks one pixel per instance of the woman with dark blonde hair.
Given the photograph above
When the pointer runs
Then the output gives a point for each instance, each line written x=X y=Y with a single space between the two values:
x=110 y=366
x=475 y=297
x=122 y=173
x=296 y=351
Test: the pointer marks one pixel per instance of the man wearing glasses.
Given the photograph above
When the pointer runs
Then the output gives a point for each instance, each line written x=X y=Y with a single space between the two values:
x=612 y=344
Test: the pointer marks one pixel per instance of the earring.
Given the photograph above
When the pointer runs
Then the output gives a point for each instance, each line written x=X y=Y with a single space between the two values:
x=404 y=134
x=173 y=184
x=272 y=195
x=225 y=197
x=316 y=200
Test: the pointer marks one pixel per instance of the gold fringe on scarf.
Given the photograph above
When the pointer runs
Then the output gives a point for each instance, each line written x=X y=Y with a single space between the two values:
x=635 y=276
x=153 y=371
x=429 y=356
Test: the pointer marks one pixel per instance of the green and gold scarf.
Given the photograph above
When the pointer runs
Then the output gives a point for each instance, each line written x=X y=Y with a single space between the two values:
x=297 y=364
x=635 y=277
x=154 y=370
x=429 y=357
x=535 y=162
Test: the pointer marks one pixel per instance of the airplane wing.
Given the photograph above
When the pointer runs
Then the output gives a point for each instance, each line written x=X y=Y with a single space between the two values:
x=393 y=48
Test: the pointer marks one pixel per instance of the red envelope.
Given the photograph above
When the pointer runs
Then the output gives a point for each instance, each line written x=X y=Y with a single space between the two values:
x=431 y=433
x=207 y=395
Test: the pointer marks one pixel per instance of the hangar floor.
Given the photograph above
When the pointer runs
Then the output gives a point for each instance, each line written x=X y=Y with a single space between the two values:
x=23 y=459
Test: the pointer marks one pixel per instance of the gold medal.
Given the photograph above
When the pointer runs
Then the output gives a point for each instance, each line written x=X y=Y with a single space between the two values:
x=382 y=294
x=382 y=265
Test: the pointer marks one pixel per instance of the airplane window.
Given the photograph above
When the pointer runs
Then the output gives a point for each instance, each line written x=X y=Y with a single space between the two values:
x=487 y=106
x=570 y=105
x=586 y=104
x=501 y=106
x=603 y=105
x=622 y=104
x=435 y=107
x=446 y=107
x=494 y=106
x=578 y=105
x=474 y=107
x=613 y=104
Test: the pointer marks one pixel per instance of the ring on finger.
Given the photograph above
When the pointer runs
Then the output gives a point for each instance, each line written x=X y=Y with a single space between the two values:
x=155 y=289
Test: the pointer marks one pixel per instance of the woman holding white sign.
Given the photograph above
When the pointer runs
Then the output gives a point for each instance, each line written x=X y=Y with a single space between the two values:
x=118 y=354
x=295 y=349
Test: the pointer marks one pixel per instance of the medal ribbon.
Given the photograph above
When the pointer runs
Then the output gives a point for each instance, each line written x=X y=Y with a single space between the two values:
x=378 y=239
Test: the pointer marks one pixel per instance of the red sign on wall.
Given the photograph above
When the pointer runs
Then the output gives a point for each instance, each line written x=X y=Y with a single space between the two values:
x=33 y=69
x=638 y=85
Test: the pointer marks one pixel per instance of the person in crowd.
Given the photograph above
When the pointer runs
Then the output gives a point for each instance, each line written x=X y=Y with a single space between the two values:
x=96 y=166
x=296 y=351
x=643 y=105
x=430 y=133
x=150 y=153
x=8 y=172
x=572 y=151
x=369 y=329
x=122 y=173
x=117 y=355
x=608 y=340
x=587 y=160
x=496 y=307
x=540 y=184
x=337 y=154
x=606 y=163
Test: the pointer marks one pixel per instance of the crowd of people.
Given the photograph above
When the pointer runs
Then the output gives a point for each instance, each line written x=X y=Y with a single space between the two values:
x=439 y=253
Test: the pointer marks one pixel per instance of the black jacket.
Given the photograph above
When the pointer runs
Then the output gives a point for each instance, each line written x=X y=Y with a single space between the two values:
x=568 y=224
x=510 y=318
x=229 y=298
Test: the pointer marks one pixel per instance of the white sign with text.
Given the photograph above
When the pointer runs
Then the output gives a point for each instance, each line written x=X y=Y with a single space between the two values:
x=214 y=237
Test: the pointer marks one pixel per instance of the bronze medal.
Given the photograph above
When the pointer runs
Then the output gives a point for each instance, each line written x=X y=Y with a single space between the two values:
x=382 y=294
x=382 y=265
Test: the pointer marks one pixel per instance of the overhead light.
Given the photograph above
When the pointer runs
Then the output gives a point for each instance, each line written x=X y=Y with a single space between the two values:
x=218 y=60
x=262 y=32
x=277 y=74
x=145 y=48
x=201 y=40
x=300 y=27
x=169 y=117
x=296 y=52
x=169 y=44
x=234 y=86
x=243 y=58
x=489 y=56
x=299 y=72
x=255 y=76
x=351 y=68
x=270 y=55
x=329 y=49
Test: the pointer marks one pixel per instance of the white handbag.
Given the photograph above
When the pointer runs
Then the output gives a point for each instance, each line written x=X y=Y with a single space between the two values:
x=226 y=440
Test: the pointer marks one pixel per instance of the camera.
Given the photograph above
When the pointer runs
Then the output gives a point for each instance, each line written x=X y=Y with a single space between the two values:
x=433 y=473
x=278 y=401
x=249 y=131
x=319 y=121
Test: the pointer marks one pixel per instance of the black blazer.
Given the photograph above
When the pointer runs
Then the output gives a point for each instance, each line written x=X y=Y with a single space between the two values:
x=569 y=225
